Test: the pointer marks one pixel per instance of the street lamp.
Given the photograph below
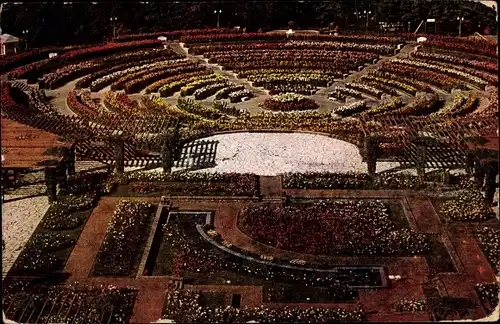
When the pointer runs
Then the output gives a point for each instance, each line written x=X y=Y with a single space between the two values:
x=367 y=15
x=25 y=36
x=218 y=12
x=460 y=19
x=113 y=20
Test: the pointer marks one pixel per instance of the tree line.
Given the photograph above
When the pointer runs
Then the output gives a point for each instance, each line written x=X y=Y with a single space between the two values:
x=49 y=23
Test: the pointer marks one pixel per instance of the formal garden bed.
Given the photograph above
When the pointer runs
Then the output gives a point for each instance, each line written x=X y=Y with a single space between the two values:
x=184 y=307
x=280 y=293
x=488 y=293
x=27 y=303
x=335 y=227
x=410 y=305
x=128 y=230
x=53 y=240
x=187 y=184
x=469 y=206
x=489 y=241
x=352 y=180
x=184 y=252
x=289 y=102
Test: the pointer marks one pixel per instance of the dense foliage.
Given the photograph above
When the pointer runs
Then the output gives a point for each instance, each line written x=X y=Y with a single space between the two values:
x=55 y=22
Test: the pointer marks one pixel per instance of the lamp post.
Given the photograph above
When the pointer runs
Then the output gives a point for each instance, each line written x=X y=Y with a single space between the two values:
x=113 y=21
x=25 y=36
x=218 y=12
x=367 y=15
x=460 y=19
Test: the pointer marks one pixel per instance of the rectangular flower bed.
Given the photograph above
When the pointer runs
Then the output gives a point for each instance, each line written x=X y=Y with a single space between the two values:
x=302 y=294
x=53 y=240
x=194 y=184
x=122 y=248
x=185 y=252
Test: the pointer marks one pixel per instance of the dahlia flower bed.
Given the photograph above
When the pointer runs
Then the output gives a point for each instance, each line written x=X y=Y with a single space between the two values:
x=119 y=62
x=416 y=84
x=47 y=249
x=365 y=88
x=350 y=109
x=81 y=303
x=325 y=180
x=193 y=107
x=412 y=306
x=380 y=86
x=107 y=49
x=342 y=62
x=457 y=61
x=169 y=88
x=341 y=94
x=468 y=206
x=439 y=80
x=196 y=184
x=209 y=90
x=67 y=73
x=390 y=81
x=489 y=240
x=289 y=102
x=237 y=96
x=9 y=62
x=460 y=105
x=445 y=70
x=303 y=294
x=59 y=216
x=127 y=233
x=76 y=105
x=224 y=92
x=108 y=79
x=229 y=110
x=152 y=69
x=185 y=252
x=454 y=44
x=291 y=45
x=491 y=79
x=333 y=227
x=420 y=106
x=392 y=105
x=488 y=293
x=190 y=88
x=171 y=34
x=184 y=307
x=177 y=79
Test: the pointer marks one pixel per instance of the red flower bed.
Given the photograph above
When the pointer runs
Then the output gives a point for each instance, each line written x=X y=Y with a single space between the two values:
x=171 y=34
x=79 y=108
x=460 y=45
x=107 y=49
x=330 y=227
x=8 y=104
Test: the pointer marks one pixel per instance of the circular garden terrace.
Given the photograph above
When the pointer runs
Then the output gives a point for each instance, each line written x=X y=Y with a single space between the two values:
x=289 y=125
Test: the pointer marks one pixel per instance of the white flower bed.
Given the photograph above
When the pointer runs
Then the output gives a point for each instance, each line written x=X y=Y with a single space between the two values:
x=275 y=153
x=19 y=220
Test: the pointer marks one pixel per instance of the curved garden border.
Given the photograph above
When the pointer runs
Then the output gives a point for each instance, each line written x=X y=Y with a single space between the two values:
x=382 y=270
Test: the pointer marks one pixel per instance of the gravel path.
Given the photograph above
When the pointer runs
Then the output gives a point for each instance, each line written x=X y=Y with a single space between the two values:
x=272 y=154
x=19 y=220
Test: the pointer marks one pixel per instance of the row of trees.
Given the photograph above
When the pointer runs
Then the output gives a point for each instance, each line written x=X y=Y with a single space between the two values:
x=85 y=22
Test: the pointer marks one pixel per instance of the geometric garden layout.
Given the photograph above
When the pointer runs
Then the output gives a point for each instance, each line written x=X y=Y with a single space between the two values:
x=185 y=185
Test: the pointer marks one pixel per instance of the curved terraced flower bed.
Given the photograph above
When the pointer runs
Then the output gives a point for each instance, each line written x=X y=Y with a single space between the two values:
x=289 y=102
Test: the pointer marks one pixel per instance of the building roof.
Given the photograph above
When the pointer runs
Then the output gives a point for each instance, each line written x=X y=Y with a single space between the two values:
x=7 y=38
x=26 y=147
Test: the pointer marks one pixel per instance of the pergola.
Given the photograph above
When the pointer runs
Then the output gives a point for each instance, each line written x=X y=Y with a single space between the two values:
x=25 y=147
